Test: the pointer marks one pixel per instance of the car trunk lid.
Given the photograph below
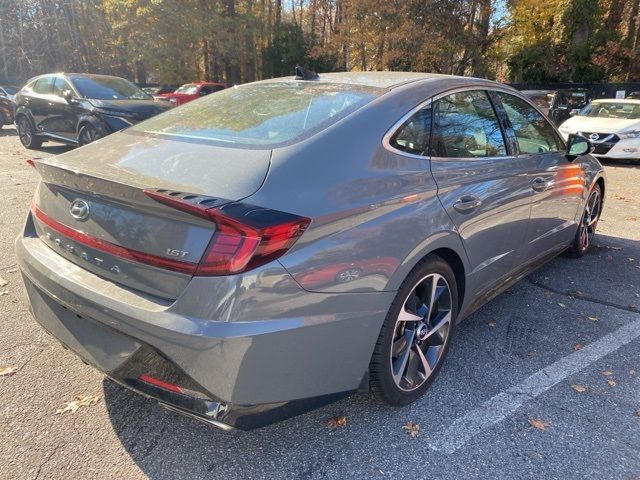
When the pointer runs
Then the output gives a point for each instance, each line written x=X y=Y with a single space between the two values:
x=91 y=206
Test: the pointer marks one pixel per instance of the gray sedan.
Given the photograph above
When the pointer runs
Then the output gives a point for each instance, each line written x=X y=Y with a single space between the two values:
x=281 y=244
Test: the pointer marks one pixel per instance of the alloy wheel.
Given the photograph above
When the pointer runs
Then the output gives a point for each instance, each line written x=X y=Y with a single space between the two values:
x=590 y=220
x=421 y=332
x=24 y=131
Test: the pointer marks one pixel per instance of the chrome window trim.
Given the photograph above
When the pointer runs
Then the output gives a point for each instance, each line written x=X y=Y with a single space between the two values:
x=386 y=140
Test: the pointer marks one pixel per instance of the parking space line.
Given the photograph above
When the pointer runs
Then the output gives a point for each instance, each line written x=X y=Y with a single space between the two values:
x=507 y=402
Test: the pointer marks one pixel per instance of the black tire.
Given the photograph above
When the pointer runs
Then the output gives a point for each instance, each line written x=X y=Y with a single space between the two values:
x=588 y=224
x=87 y=134
x=27 y=135
x=382 y=382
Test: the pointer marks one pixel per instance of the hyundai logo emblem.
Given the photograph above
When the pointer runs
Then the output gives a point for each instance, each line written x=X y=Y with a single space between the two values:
x=79 y=209
x=594 y=137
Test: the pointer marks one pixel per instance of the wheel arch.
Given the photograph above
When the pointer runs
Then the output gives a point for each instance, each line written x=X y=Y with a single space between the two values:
x=601 y=183
x=446 y=245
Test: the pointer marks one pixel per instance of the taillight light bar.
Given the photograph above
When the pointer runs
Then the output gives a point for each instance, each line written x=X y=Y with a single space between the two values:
x=245 y=237
x=111 y=248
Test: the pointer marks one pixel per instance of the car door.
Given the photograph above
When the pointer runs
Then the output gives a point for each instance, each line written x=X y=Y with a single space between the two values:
x=481 y=184
x=557 y=184
x=63 y=115
x=38 y=103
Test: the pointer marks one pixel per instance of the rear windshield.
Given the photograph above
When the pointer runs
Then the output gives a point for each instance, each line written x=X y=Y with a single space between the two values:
x=189 y=89
x=261 y=114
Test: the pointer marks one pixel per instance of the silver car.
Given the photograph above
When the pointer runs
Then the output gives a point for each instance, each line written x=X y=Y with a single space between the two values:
x=281 y=244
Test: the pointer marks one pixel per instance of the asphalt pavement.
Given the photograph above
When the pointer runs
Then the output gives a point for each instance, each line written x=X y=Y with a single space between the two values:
x=542 y=382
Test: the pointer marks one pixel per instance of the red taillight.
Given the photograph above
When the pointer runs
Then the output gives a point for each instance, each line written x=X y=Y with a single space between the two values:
x=245 y=237
x=159 y=383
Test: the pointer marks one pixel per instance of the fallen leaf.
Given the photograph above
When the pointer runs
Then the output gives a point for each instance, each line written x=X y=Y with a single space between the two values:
x=412 y=429
x=607 y=373
x=3 y=282
x=7 y=371
x=3 y=293
x=593 y=319
x=491 y=324
x=578 y=388
x=632 y=372
x=79 y=401
x=577 y=346
x=539 y=424
x=631 y=218
x=12 y=270
x=562 y=305
x=611 y=383
x=637 y=414
x=336 y=422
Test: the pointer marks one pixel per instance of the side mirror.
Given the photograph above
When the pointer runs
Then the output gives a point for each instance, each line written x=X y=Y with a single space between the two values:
x=69 y=96
x=577 y=146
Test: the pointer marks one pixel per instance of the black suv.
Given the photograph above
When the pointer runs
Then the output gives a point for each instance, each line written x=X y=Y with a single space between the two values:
x=77 y=109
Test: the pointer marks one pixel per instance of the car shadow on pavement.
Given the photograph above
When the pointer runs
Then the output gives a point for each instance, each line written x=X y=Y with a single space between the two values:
x=495 y=348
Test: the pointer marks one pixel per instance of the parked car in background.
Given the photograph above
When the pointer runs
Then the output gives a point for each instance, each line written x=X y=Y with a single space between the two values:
x=78 y=108
x=191 y=91
x=542 y=98
x=612 y=126
x=567 y=102
x=160 y=90
x=281 y=244
x=8 y=91
x=6 y=111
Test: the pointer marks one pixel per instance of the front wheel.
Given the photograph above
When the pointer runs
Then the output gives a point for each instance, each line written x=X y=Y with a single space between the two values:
x=588 y=223
x=416 y=333
x=27 y=135
x=87 y=134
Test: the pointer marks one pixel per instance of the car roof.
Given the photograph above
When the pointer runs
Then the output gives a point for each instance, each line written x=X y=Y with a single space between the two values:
x=386 y=80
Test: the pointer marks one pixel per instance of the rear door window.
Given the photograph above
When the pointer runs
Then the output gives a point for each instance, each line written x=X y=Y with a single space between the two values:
x=533 y=132
x=43 y=85
x=465 y=126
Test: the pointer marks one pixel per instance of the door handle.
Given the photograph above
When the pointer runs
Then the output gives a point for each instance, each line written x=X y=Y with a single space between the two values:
x=467 y=203
x=540 y=184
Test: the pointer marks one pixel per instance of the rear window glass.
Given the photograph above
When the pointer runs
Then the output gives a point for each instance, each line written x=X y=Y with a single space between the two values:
x=261 y=115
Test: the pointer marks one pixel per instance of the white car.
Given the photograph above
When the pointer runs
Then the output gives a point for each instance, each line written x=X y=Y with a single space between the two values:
x=612 y=126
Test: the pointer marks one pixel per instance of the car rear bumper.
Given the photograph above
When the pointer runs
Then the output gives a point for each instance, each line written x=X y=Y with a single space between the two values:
x=246 y=373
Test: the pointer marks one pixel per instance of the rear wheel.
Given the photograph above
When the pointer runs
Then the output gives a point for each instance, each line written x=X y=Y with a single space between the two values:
x=27 y=134
x=416 y=334
x=87 y=134
x=588 y=223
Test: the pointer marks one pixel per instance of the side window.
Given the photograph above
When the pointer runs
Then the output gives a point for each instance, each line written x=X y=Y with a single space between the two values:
x=533 y=132
x=59 y=86
x=465 y=126
x=43 y=85
x=413 y=135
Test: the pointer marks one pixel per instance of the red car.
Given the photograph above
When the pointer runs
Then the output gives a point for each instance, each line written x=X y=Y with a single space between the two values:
x=191 y=91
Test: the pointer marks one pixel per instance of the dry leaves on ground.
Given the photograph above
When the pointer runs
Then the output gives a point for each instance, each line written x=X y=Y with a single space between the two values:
x=336 y=422
x=412 y=429
x=539 y=424
x=577 y=346
x=562 y=305
x=79 y=401
x=631 y=218
x=579 y=388
x=7 y=371
x=593 y=319
x=607 y=373
x=637 y=414
x=3 y=282
x=611 y=383
x=491 y=324
x=12 y=270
